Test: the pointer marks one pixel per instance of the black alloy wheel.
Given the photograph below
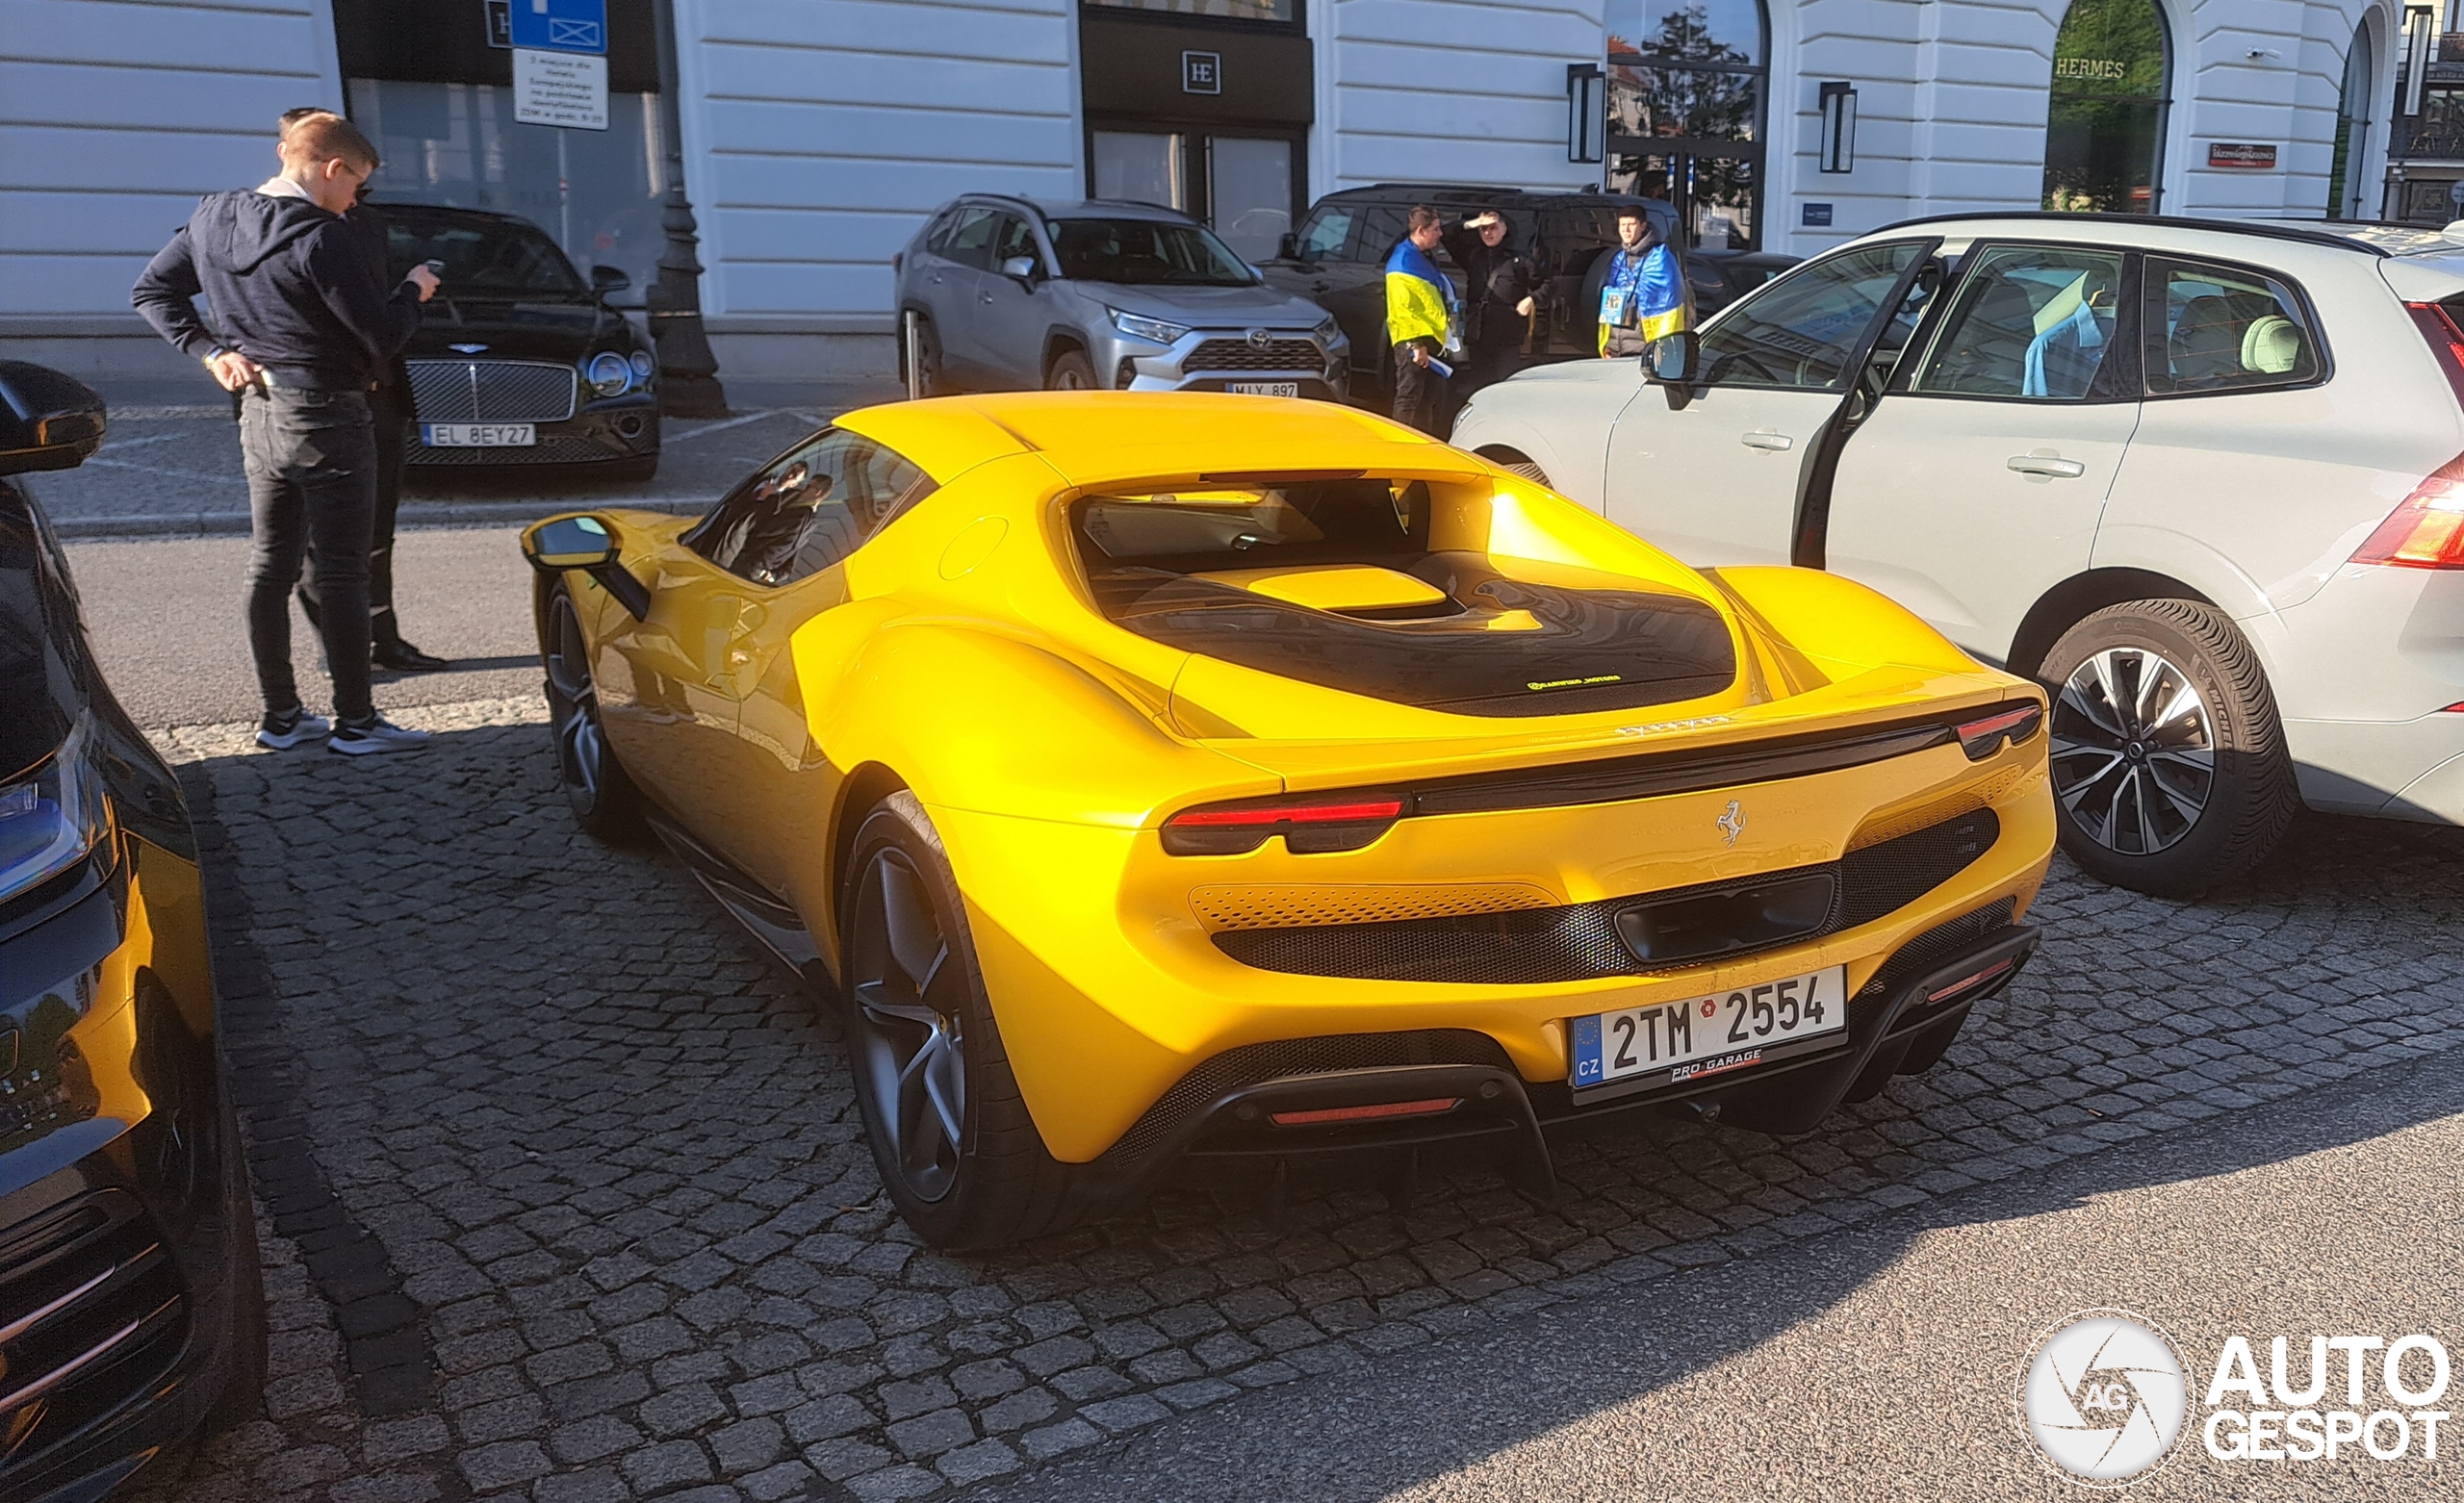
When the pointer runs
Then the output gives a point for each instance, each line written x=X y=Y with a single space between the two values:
x=2169 y=763
x=603 y=798
x=949 y=1132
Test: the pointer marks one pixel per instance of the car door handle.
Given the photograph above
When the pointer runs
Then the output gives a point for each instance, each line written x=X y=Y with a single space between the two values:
x=2047 y=465
x=1769 y=440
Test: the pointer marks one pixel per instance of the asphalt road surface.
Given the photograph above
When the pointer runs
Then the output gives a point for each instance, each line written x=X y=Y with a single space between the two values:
x=164 y=616
x=1881 y=1363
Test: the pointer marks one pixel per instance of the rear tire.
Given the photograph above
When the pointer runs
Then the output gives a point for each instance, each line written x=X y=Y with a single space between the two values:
x=604 y=800
x=2170 y=767
x=1071 y=372
x=932 y=381
x=243 y=1381
x=950 y=1134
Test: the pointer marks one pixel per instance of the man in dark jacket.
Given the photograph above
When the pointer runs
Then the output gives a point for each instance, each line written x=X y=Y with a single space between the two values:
x=307 y=323
x=1506 y=288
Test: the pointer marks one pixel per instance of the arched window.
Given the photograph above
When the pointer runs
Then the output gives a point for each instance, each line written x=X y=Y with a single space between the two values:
x=1685 y=106
x=2104 y=134
x=2352 y=131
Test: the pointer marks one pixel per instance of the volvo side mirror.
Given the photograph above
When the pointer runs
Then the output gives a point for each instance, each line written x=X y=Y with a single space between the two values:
x=1673 y=363
x=608 y=279
x=588 y=544
x=47 y=420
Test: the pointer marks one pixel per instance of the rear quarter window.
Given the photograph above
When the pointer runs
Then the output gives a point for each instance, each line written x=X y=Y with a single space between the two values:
x=2216 y=328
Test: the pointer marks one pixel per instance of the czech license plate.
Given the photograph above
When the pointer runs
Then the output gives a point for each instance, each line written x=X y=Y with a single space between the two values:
x=1266 y=388
x=480 y=435
x=1709 y=1035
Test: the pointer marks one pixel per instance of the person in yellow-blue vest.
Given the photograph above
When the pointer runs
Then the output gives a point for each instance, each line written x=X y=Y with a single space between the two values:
x=1420 y=319
x=1644 y=296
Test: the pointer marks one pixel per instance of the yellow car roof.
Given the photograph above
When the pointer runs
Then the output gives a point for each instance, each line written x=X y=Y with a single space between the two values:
x=1099 y=437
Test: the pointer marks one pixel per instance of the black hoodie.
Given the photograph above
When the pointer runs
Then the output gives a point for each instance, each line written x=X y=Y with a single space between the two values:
x=297 y=289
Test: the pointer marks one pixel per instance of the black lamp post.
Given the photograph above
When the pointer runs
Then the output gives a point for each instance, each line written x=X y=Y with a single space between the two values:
x=688 y=373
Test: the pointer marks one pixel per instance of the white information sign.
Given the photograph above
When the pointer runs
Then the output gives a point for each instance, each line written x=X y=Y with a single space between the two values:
x=567 y=88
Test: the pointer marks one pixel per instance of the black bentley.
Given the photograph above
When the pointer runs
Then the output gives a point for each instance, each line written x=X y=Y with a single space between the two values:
x=131 y=1312
x=520 y=360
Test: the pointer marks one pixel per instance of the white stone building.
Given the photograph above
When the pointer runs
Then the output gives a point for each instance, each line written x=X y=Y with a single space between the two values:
x=816 y=134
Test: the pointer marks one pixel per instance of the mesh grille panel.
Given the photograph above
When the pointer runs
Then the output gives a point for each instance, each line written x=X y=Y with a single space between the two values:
x=1242 y=355
x=1251 y=1063
x=1578 y=942
x=491 y=391
x=1920 y=954
x=1265 y=906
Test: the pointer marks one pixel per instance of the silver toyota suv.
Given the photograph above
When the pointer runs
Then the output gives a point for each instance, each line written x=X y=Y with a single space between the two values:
x=1001 y=293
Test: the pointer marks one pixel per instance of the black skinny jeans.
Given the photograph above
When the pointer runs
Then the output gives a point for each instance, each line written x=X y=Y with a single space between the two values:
x=389 y=406
x=311 y=458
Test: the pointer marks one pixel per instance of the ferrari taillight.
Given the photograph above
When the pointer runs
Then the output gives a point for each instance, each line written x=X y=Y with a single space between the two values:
x=2427 y=530
x=1982 y=738
x=1309 y=827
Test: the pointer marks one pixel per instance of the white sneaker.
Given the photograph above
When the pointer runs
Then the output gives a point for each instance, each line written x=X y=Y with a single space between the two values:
x=285 y=732
x=377 y=734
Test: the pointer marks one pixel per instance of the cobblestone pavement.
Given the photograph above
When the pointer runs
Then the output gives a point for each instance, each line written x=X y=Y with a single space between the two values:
x=614 y=1159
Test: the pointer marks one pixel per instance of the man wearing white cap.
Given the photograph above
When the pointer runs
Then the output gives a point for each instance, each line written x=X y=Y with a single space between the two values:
x=1504 y=285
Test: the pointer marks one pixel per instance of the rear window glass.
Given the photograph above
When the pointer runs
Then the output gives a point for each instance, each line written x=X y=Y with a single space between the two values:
x=2212 y=328
x=1399 y=616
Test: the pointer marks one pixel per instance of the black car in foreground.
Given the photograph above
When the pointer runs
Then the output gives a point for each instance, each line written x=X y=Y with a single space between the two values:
x=1337 y=259
x=132 y=1315
x=520 y=360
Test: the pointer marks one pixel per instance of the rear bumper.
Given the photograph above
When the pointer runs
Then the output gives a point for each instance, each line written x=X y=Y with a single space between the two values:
x=1230 y=1105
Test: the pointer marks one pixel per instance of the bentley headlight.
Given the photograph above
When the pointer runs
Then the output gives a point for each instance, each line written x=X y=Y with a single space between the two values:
x=611 y=374
x=52 y=820
x=1139 y=327
x=644 y=367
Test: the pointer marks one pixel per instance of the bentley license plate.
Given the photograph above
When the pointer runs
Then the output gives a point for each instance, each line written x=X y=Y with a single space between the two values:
x=1709 y=1035
x=1265 y=387
x=480 y=435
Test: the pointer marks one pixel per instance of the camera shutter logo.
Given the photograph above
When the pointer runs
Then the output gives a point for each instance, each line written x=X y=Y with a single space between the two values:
x=2103 y=1396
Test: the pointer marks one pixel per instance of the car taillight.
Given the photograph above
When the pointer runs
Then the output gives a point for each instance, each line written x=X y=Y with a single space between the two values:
x=1982 y=738
x=2446 y=342
x=1308 y=827
x=2427 y=530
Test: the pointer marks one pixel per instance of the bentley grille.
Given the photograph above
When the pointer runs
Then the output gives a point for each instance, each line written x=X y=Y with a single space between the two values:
x=492 y=391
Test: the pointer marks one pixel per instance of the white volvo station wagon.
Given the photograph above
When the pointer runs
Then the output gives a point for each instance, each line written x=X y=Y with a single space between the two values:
x=2204 y=479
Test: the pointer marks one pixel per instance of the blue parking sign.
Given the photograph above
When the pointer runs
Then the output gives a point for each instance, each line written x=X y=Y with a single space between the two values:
x=560 y=25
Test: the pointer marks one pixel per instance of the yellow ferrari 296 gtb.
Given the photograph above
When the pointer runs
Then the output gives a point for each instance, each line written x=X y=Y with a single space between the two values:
x=1190 y=774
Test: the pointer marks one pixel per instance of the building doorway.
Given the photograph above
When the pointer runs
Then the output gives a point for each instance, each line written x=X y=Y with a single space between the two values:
x=2104 y=135
x=1246 y=187
x=1687 y=86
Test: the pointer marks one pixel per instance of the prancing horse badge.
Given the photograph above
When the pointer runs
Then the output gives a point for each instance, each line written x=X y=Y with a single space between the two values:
x=1733 y=821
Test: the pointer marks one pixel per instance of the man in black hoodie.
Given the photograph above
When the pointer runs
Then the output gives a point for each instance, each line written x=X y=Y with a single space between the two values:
x=307 y=323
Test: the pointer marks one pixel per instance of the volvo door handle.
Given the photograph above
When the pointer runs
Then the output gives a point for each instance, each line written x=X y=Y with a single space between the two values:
x=1770 y=440
x=2047 y=465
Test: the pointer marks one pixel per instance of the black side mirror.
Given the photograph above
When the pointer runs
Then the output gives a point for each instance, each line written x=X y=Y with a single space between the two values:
x=1287 y=248
x=589 y=545
x=47 y=420
x=1674 y=364
x=608 y=279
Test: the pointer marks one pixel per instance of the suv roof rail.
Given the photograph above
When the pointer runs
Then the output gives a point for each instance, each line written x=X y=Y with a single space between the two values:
x=2267 y=229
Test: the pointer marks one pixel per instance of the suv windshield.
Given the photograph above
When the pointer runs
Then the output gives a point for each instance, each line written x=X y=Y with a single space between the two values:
x=1145 y=253
x=481 y=257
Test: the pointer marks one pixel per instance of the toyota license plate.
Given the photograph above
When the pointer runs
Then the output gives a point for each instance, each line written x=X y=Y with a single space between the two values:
x=1709 y=1035
x=1265 y=387
x=480 y=435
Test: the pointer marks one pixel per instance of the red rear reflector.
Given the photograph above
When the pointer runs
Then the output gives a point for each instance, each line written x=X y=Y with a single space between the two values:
x=2427 y=530
x=1384 y=1108
x=1298 y=813
x=1982 y=738
x=1969 y=982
